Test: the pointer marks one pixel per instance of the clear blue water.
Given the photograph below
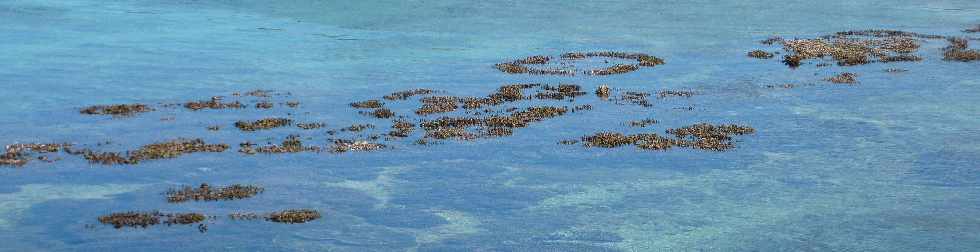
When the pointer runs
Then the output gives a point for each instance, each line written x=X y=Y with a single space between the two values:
x=890 y=164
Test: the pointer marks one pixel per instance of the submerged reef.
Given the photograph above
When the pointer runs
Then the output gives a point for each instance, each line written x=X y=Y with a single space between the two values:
x=294 y=216
x=709 y=136
x=603 y=91
x=263 y=105
x=524 y=66
x=560 y=92
x=702 y=136
x=380 y=113
x=643 y=123
x=958 y=50
x=617 y=69
x=346 y=145
x=437 y=104
x=488 y=126
x=116 y=110
x=974 y=29
x=674 y=93
x=214 y=103
x=205 y=192
x=292 y=144
x=403 y=95
x=163 y=150
x=367 y=104
x=146 y=219
x=261 y=124
x=520 y=67
x=844 y=78
x=310 y=126
x=760 y=54
x=401 y=129
x=632 y=98
x=641 y=58
x=21 y=154
x=850 y=48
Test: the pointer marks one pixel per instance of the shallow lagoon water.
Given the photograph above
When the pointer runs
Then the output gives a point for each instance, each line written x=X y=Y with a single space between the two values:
x=888 y=164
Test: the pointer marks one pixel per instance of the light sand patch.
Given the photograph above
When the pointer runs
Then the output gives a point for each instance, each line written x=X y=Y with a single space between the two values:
x=379 y=188
x=459 y=223
x=12 y=205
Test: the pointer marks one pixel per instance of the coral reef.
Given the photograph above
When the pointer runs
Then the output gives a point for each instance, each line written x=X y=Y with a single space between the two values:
x=20 y=154
x=345 y=145
x=262 y=124
x=146 y=219
x=958 y=50
x=294 y=216
x=701 y=136
x=437 y=104
x=163 y=150
x=844 y=78
x=674 y=93
x=116 y=110
x=643 y=123
x=205 y=192
x=403 y=95
x=214 y=103
x=760 y=54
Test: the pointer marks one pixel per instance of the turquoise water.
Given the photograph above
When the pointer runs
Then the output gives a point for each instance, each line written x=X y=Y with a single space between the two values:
x=889 y=164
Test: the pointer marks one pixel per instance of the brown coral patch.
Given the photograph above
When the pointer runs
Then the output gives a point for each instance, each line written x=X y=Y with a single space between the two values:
x=616 y=69
x=844 y=78
x=264 y=105
x=131 y=219
x=701 y=136
x=760 y=54
x=294 y=216
x=603 y=91
x=262 y=124
x=292 y=144
x=974 y=29
x=146 y=219
x=675 y=93
x=856 y=47
x=214 y=103
x=505 y=93
x=344 y=145
x=633 y=98
x=116 y=110
x=401 y=129
x=185 y=218
x=205 y=192
x=518 y=66
x=643 y=123
x=958 y=50
x=309 y=126
x=358 y=127
x=380 y=113
x=560 y=92
x=402 y=95
x=437 y=104
x=367 y=104
x=20 y=154
x=164 y=150
x=709 y=137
